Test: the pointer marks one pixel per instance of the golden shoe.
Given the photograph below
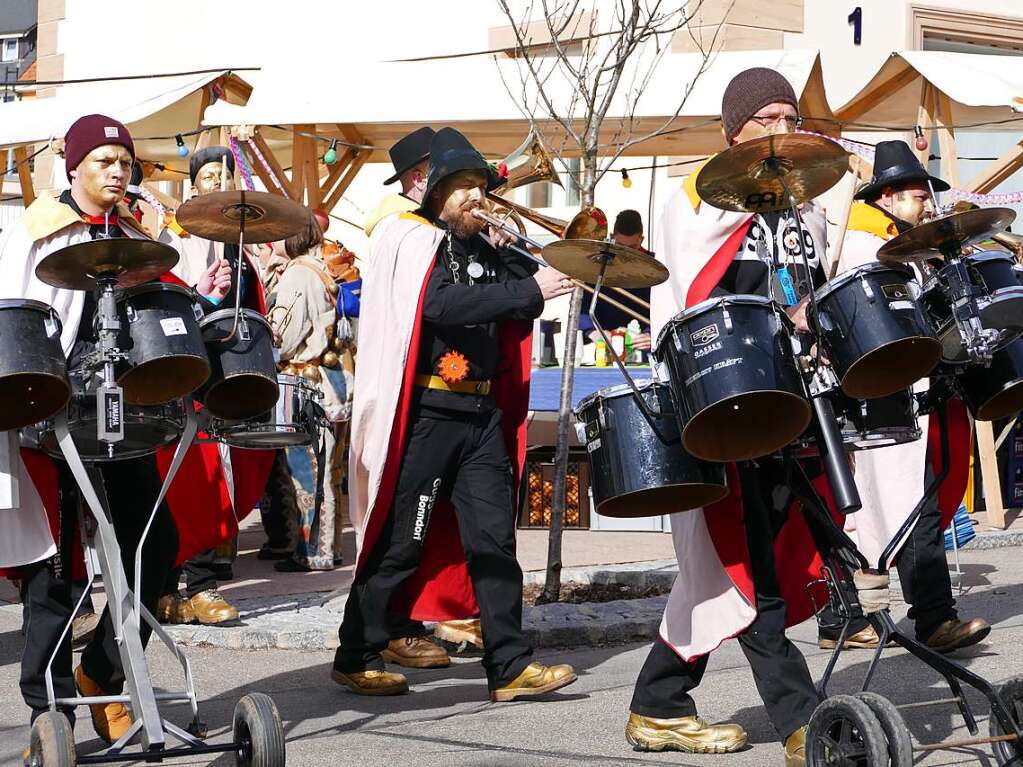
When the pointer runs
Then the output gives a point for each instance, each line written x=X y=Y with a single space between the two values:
x=688 y=733
x=795 y=749
x=415 y=652
x=865 y=639
x=110 y=720
x=173 y=609
x=371 y=682
x=209 y=608
x=536 y=679
x=955 y=634
x=457 y=632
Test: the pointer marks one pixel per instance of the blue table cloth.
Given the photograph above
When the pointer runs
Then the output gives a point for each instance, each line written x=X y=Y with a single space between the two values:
x=545 y=384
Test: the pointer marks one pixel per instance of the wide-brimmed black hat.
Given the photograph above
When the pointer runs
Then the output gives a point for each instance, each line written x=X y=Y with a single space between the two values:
x=450 y=153
x=894 y=164
x=408 y=152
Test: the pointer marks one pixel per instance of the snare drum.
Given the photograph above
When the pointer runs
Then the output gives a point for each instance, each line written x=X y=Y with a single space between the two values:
x=1001 y=306
x=289 y=424
x=33 y=371
x=160 y=332
x=146 y=429
x=638 y=465
x=874 y=331
x=733 y=371
x=243 y=381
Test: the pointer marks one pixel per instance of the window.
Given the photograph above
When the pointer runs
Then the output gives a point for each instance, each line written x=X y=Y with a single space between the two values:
x=10 y=52
x=572 y=177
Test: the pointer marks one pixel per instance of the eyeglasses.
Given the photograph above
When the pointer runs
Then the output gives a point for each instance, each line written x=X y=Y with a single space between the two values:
x=764 y=121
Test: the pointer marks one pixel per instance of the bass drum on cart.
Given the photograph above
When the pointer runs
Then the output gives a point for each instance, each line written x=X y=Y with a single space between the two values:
x=733 y=371
x=638 y=465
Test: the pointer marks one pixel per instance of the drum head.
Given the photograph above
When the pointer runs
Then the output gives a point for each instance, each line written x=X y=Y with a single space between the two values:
x=1004 y=311
x=658 y=501
x=746 y=426
x=164 y=379
x=241 y=396
x=29 y=398
x=268 y=439
x=892 y=367
x=1007 y=403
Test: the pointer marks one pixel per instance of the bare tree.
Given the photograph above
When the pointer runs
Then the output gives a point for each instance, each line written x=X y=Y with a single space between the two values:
x=576 y=81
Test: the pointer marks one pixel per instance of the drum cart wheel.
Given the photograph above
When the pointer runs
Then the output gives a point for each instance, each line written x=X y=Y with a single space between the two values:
x=844 y=732
x=258 y=732
x=900 y=748
x=1008 y=752
x=53 y=741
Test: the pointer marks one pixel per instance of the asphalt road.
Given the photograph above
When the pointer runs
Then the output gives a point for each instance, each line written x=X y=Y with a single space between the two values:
x=447 y=721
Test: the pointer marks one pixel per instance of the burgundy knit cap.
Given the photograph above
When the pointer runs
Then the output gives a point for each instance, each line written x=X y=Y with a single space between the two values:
x=751 y=91
x=90 y=132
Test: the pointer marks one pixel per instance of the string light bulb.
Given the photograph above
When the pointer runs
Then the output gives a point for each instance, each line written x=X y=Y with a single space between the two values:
x=182 y=149
x=626 y=181
x=921 y=140
x=330 y=156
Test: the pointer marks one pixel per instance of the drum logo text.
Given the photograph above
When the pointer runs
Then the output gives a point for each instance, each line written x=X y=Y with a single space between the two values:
x=714 y=347
x=898 y=291
x=704 y=335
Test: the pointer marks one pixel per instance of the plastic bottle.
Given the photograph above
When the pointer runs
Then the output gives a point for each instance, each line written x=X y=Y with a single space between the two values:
x=601 y=358
x=632 y=330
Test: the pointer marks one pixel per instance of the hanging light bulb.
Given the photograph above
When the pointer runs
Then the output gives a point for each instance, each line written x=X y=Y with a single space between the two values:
x=182 y=149
x=330 y=156
x=626 y=181
x=921 y=140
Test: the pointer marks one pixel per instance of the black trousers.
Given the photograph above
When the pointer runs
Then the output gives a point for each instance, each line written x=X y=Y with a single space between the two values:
x=459 y=455
x=779 y=669
x=132 y=487
x=199 y=575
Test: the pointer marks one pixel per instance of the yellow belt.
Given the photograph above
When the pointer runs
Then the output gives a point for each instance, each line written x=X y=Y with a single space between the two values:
x=462 y=387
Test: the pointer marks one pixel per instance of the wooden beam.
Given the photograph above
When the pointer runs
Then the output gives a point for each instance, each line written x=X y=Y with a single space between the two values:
x=170 y=203
x=275 y=167
x=946 y=138
x=344 y=159
x=28 y=192
x=869 y=100
x=925 y=117
x=993 y=502
x=353 y=170
x=257 y=166
x=998 y=171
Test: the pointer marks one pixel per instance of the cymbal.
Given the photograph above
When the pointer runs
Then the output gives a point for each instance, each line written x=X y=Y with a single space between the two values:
x=218 y=216
x=748 y=177
x=946 y=234
x=128 y=262
x=626 y=268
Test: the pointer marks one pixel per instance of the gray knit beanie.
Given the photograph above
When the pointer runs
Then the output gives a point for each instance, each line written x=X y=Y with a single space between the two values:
x=751 y=91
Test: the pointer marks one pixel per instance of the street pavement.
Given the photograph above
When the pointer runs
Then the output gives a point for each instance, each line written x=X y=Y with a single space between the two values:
x=447 y=721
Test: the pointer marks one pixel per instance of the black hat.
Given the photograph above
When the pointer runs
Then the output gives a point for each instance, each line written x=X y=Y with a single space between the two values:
x=894 y=164
x=450 y=153
x=410 y=151
x=208 y=155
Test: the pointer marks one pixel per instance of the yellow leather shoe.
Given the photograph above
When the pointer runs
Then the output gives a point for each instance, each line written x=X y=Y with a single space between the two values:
x=864 y=639
x=210 y=608
x=415 y=652
x=535 y=679
x=173 y=609
x=110 y=720
x=795 y=749
x=955 y=634
x=371 y=682
x=457 y=632
x=687 y=733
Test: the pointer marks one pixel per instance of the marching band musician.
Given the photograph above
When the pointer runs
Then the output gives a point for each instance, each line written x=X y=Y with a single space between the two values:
x=744 y=561
x=435 y=429
x=891 y=480
x=99 y=153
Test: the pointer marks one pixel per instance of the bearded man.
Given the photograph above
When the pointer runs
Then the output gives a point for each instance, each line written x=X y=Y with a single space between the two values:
x=438 y=420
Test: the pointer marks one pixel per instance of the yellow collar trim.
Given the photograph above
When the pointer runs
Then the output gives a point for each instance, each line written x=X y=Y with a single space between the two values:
x=867 y=218
x=47 y=215
x=689 y=185
x=410 y=216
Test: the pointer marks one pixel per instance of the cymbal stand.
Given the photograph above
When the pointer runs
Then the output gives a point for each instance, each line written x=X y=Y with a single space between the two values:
x=239 y=325
x=964 y=297
x=109 y=395
x=820 y=379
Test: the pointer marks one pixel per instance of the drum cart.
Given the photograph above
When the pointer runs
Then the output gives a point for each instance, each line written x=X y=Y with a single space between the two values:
x=866 y=729
x=257 y=731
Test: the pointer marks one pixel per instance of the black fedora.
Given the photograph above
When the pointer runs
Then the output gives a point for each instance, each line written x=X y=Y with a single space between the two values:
x=450 y=153
x=894 y=164
x=408 y=152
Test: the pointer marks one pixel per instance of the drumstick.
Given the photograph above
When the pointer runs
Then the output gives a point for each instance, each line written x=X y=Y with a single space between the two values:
x=843 y=222
x=635 y=315
x=627 y=294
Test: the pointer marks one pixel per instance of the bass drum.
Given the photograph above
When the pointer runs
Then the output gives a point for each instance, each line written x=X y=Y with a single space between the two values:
x=875 y=333
x=638 y=465
x=33 y=371
x=289 y=424
x=733 y=371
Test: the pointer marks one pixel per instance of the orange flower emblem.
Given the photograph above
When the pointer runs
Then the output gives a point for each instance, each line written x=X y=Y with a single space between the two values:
x=453 y=367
